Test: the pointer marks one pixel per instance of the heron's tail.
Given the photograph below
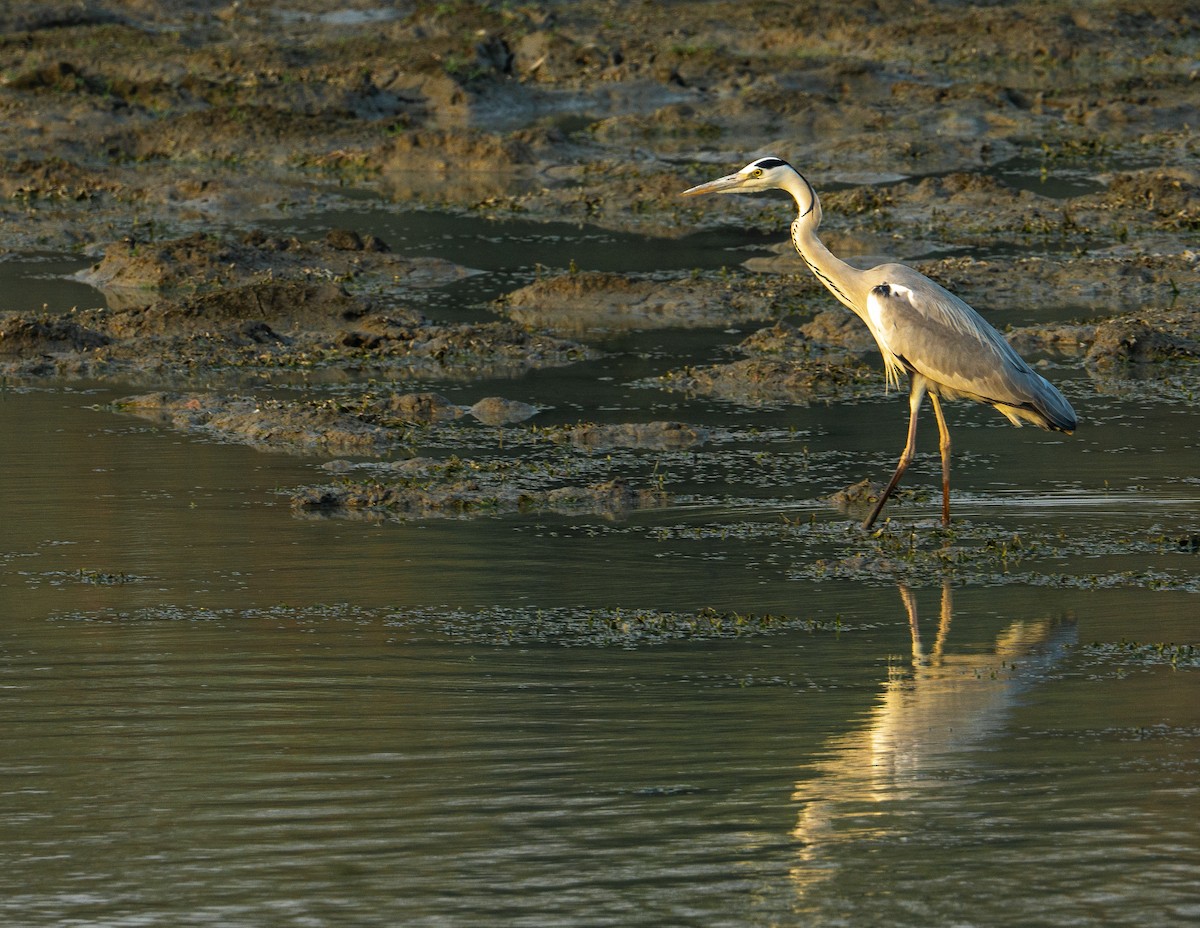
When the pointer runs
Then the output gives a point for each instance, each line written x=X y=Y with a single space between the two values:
x=1045 y=407
x=1055 y=409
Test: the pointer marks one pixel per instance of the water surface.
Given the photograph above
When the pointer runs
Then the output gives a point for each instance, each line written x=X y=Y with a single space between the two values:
x=218 y=712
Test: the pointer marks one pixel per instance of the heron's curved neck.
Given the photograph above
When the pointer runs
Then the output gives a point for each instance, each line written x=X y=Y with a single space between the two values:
x=843 y=281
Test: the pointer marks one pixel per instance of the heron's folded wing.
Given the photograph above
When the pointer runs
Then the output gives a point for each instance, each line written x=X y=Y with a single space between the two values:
x=938 y=335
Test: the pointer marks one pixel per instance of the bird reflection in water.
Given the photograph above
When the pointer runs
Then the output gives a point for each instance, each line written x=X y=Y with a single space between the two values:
x=870 y=785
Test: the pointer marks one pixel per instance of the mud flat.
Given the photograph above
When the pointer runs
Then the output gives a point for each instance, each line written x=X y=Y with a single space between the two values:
x=1020 y=154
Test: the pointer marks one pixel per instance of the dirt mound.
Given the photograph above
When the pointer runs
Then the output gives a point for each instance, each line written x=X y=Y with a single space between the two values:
x=423 y=408
x=203 y=262
x=451 y=151
x=1132 y=340
x=834 y=328
x=1171 y=197
x=280 y=325
x=495 y=410
x=769 y=381
x=284 y=306
x=55 y=179
x=22 y=337
x=820 y=359
x=598 y=303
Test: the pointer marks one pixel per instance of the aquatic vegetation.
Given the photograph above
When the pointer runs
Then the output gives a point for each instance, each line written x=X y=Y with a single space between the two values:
x=86 y=576
x=969 y=552
x=1126 y=654
x=612 y=627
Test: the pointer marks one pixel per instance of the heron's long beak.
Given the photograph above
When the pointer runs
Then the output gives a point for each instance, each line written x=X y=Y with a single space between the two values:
x=726 y=184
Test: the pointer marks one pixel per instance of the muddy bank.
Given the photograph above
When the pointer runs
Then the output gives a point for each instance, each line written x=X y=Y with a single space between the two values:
x=259 y=304
x=788 y=364
x=1022 y=155
x=591 y=304
x=131 y=272
x=196 y=112
x=229 y=336
x=268 y=425
x=149 y=121
x=203 y=303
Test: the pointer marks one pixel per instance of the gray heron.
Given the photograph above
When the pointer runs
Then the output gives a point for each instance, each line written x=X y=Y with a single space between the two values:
x=923 y=330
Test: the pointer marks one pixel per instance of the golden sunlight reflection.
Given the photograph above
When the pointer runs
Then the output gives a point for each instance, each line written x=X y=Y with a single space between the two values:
x=866 y=788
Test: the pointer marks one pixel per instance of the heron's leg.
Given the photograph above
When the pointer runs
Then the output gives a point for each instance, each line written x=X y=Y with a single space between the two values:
x=943 y=632
x=947 y=617
x=910 y=447
x=910 y=606
x=944 y=447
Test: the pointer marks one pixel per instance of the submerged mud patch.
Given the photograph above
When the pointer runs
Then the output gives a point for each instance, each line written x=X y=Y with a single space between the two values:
x=652 y=435
x=1122 y=656
x=266 y=424
x=557 y=626
x=924 y=554
x=623 y=628
x=426 y=488
x=525 y=468
x=367 y=424
x=436 y=494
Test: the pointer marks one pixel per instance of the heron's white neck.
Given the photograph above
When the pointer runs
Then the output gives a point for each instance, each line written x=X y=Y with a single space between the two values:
x=842 y=280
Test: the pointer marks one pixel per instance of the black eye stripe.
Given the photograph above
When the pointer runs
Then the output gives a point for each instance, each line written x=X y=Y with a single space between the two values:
x=769 y=163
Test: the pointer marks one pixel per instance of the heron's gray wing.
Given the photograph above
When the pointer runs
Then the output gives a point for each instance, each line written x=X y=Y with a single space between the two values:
x=938 y=335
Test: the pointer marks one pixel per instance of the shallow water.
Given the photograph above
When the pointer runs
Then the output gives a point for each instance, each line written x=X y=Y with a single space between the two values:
x=217 y=712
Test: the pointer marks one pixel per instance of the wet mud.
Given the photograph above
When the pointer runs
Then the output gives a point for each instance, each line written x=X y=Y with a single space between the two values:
x=596 y=304
x=262 y=305
x=1057 y=148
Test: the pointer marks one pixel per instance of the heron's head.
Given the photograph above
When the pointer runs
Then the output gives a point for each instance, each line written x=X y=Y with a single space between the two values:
x=764 y=174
